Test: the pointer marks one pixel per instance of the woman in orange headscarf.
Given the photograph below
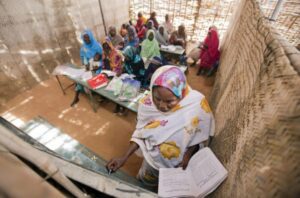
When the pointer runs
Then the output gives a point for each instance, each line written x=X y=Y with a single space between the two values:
x=112 y=58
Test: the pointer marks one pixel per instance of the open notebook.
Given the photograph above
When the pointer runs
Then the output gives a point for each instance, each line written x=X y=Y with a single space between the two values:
x=203 y=175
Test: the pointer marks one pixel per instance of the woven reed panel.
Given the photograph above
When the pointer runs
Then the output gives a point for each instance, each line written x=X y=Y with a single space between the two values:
x=256 y=101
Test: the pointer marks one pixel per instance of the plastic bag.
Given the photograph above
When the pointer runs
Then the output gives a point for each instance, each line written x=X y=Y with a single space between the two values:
x=130 y=89
x=115 y=85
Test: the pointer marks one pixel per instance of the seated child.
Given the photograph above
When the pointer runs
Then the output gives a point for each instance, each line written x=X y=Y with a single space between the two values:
x=96 y=63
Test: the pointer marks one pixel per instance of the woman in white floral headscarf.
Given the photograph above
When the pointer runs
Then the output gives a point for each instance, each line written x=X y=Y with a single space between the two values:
x=173 y=121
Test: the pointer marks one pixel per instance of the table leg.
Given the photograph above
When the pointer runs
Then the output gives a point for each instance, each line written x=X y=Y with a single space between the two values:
x=92 y=101
x=60 y=84
x=62 y=89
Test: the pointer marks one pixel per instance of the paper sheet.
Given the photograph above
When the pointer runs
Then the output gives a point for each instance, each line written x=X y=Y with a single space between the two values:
x=108 y=73
x=69 y=71
x=174 y=182
x=203 y=175
x=86 y=75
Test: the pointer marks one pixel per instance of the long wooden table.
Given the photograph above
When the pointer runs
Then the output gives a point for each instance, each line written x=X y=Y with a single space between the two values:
x=132 y=105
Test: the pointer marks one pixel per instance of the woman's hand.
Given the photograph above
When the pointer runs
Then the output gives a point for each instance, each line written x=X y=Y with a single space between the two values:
x=95 y=68
x=87 y=67
x=201 y=45
x=185 y=161
x=116 y=163
x=118 y=73
x=187 y=156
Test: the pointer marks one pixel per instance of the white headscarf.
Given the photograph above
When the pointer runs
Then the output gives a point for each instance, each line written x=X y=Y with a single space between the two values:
x=162 y=38
x=164 y=137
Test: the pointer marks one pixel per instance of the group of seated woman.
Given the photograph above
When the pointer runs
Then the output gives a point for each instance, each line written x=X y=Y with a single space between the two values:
x=137 y=49
x=208 y=51
x=120 y=56
x=163 y=33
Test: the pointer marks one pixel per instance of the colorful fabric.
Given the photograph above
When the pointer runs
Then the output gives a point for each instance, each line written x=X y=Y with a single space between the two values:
x=139 y=24
x=172 y=79
x=150 y=48
x=115 y=57
x=210 y=54
x=141 y=33
x=88 y=51
x=164 y=137
x=131 y=53
x=144 y=19
x=133 y=62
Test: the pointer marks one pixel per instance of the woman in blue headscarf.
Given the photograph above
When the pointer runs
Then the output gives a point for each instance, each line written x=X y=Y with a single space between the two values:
x=89 y=48
x=90 y=51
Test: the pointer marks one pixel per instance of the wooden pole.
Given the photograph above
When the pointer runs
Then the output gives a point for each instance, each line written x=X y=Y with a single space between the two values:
x=103 y=20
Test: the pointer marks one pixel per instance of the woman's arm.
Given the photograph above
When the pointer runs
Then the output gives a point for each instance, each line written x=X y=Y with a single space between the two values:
x=116 y=163
x=187 y=155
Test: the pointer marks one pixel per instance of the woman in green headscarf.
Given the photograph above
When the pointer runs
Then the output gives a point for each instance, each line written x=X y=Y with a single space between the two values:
x=150 y=48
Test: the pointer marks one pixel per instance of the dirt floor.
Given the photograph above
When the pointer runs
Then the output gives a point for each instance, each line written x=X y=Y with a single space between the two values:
x=104 y=132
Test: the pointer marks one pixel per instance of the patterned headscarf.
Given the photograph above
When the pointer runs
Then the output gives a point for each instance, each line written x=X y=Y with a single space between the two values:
x=164 y=137
x=172 y=78
x=109 y=43
x=115 y=57
x=132 y=54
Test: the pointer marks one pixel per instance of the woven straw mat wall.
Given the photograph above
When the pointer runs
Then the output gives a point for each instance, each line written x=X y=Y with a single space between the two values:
x=256 y=105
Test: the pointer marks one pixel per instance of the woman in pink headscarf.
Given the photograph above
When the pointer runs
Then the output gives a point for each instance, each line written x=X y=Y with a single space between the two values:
x=173 y=122
x=210 y=53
